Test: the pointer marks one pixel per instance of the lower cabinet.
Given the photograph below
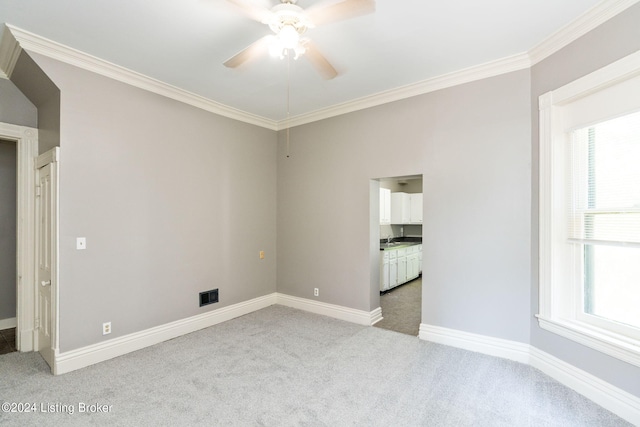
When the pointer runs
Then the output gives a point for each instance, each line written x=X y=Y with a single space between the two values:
x=398 y=266
x=402 y=265
x=384 y=271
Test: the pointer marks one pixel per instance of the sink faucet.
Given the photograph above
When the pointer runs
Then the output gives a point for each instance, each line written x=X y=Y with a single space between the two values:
x=389 y=239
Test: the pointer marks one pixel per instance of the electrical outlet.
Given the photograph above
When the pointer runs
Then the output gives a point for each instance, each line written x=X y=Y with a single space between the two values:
x=81 y=243
x=316 y=292
x=106 y=328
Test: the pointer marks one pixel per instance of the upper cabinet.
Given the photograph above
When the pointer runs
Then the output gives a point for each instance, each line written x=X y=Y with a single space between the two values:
x=415 y=202
x=400 y=208
x=406 y=208
x=385 y=206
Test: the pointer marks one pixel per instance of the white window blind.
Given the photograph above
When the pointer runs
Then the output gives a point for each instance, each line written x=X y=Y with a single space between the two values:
x=604 y=182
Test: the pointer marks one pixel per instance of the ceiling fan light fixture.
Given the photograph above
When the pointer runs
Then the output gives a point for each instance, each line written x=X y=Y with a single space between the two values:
x=288 y=37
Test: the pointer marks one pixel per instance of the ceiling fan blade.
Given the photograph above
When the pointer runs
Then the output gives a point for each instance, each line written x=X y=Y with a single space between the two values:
x=252 y=10
x=254 y=50
x=319 y=62
x=332 y=11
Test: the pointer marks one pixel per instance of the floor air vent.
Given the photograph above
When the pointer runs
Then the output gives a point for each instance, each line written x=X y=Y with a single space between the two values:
x=208 y=297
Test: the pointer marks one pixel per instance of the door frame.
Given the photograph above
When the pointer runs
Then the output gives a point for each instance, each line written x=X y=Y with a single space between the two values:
x=26 y=139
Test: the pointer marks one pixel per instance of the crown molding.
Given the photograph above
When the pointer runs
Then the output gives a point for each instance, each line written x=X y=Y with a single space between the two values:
x=15 y=39
x=467 y=75
x=9 y=52
x=588 y=21
x=580 y=26
x=40 y=45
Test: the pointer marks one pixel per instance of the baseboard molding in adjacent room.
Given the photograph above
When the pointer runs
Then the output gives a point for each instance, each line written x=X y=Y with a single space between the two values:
x=616 y=400
x=95 y=353
x=7 y=323
x=360 y=317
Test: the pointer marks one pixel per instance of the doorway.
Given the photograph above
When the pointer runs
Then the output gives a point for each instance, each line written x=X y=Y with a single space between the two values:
x=399 y=259
x=25 y=142
x=8 y=229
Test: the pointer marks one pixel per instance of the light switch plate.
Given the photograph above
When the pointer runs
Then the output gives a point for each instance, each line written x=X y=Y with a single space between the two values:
x=81 y=243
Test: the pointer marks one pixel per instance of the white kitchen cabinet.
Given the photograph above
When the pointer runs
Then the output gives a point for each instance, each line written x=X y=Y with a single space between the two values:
x=415 y=207
x=406 y=208
x=399 y=266
x=384 y=271
x=393 y=272
x=402 y=265
x=400 y=208
x=385 y=206
x=413 y=267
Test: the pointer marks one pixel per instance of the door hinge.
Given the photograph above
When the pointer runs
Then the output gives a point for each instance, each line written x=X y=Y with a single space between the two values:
x=38 y=190
x=36 y=324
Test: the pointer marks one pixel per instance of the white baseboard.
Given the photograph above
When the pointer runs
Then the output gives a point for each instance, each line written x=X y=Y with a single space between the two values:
x=25 y=340
x=95 y=353
x=505 y=349
x=7 y=323
x=336 y=311
x=616 y=400
x=376 y=316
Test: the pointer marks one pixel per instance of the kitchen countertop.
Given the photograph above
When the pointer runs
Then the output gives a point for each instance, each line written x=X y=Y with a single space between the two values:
x=398 y=245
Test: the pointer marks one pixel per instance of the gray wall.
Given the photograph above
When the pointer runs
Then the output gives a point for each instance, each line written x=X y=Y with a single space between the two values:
x=471 y=144
x=43 y=93
x=173 y=200
x=15 y=108
x=7 y=229
x=611 y=41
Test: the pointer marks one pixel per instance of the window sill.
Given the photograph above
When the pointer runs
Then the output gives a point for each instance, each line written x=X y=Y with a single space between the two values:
x=612 y=344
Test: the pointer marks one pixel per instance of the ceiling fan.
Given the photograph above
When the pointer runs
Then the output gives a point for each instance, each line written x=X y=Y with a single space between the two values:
x=289 y=22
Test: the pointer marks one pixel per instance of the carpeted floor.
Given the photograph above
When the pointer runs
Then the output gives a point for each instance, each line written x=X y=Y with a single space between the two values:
x=402 y=308
x=284 y=367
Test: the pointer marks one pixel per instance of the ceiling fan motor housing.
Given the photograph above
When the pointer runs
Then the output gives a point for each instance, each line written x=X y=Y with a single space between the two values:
x=288 y=14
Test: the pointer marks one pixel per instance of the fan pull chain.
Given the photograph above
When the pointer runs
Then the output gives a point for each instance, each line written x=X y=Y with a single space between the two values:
x=288 y=98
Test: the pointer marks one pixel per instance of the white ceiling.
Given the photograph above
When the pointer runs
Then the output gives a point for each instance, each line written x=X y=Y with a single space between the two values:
x=184 y=43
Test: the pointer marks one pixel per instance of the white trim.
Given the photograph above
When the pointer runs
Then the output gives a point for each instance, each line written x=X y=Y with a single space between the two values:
x=478 y=72
x=618 y=401
x=601 y=340
x=9 y=52
x=37 y=44
x=612 y=398
x=376 y=316
x=623 y=69
x=7 y=323
x=18 y=38
x=577 y=28
x=557 y=299
x=336 y=311
x=95 y=353
x=479 y=343
x=26 y=139
x=52 y=158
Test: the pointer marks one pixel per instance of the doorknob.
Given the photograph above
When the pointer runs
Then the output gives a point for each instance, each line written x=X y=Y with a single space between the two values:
x=45 y=283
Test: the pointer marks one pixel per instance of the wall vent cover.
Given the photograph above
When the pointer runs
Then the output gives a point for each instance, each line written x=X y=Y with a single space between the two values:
x=208 y=297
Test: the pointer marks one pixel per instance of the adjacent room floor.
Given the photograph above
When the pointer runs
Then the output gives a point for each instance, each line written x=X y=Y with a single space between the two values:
x=7 y=341
x=402 y=308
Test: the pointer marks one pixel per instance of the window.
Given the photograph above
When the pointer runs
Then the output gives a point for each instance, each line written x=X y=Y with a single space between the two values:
x=590 y=210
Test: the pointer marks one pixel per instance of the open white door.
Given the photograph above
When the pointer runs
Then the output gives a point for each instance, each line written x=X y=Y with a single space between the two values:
x=47 y=255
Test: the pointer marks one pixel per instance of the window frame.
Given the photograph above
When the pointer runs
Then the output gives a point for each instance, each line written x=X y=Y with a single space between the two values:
x=560 y=293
